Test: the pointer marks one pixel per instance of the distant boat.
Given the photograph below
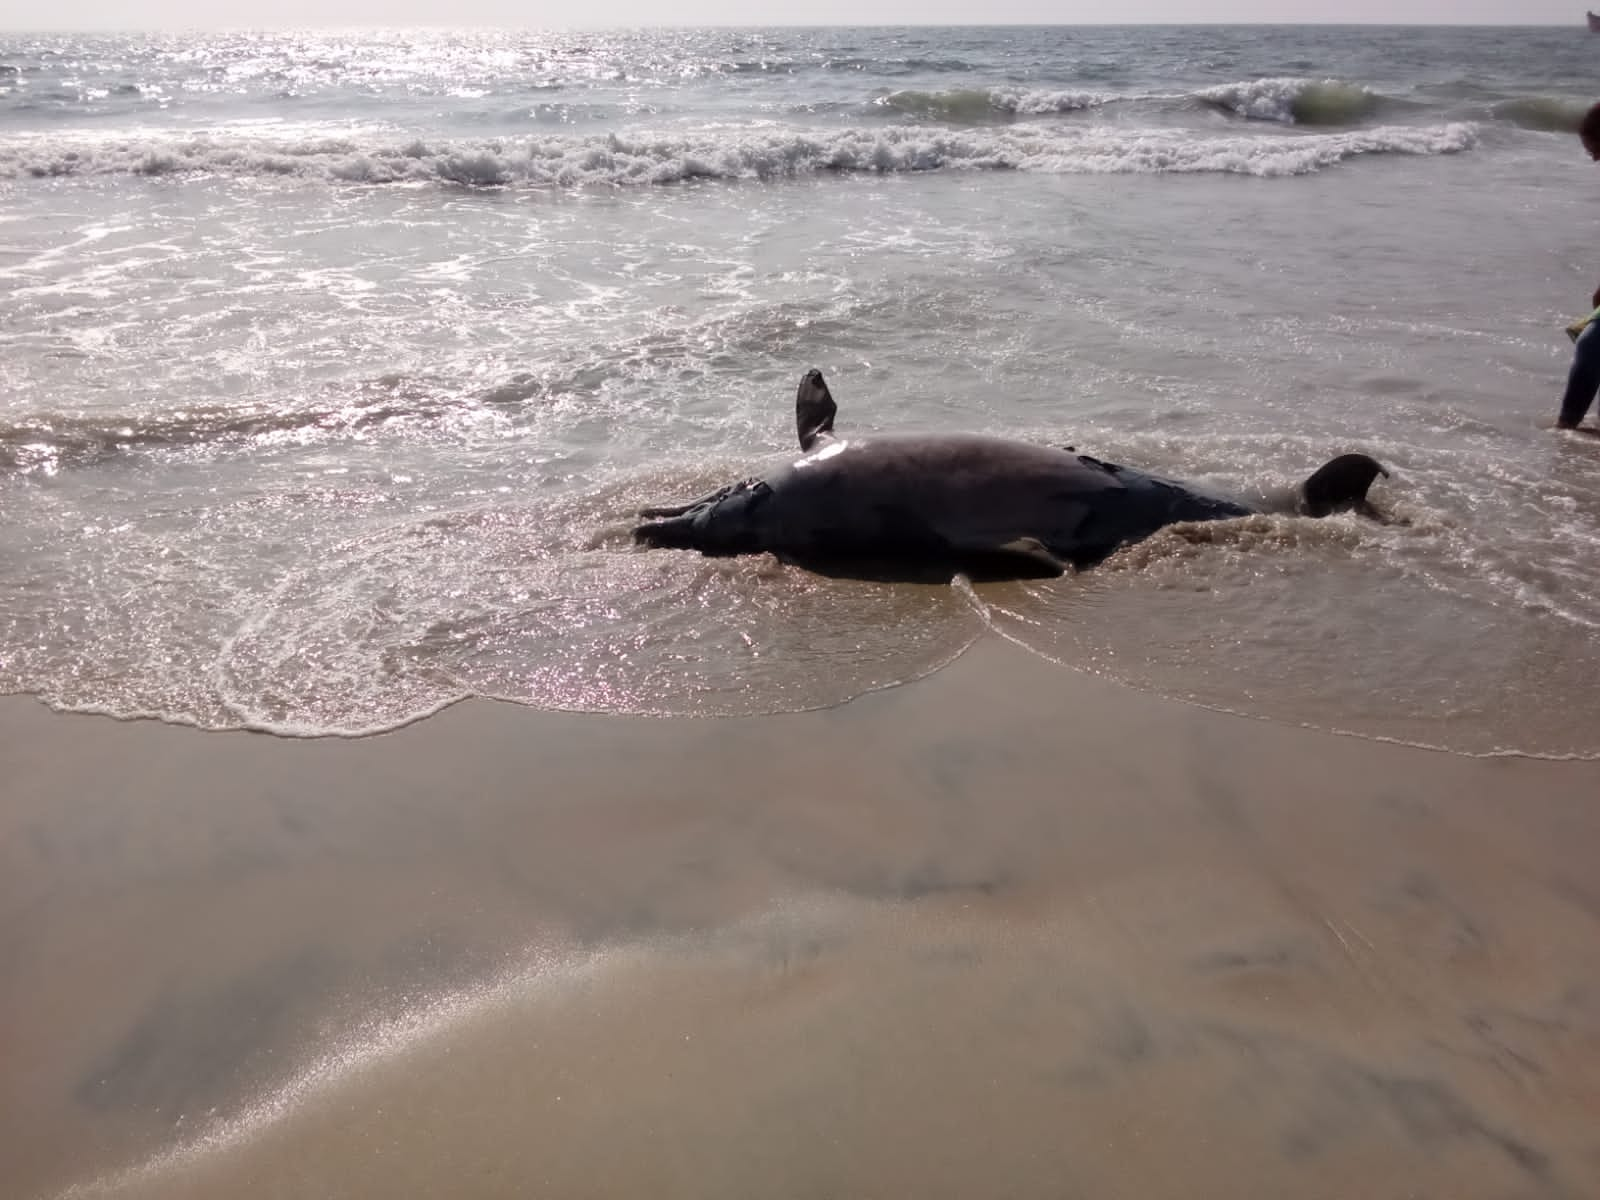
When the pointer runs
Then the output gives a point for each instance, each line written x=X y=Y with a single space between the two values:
x=1594 y=22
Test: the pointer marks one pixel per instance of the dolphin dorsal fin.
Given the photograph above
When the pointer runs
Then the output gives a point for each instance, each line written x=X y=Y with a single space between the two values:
x=813 y=410
x=1341 y=483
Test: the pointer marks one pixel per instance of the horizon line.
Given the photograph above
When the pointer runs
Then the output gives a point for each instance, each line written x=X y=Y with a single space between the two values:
x=640 y=25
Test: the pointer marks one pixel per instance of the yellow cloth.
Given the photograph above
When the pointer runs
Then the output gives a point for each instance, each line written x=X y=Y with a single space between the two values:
x=1581 y=324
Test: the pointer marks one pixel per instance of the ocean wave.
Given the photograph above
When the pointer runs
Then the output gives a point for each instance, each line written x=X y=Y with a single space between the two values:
x=1290 y=101
x=1546 y=114
x=731 y=153
x=52 y=441
x=987 y=104
x=789 y=64
x=898 y=66
x=72 y=440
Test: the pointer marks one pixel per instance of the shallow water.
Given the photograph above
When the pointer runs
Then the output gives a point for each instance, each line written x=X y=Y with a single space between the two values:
x=335 y=367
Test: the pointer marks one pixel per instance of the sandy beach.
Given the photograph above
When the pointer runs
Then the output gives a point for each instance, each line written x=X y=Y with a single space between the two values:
x=1009 y=930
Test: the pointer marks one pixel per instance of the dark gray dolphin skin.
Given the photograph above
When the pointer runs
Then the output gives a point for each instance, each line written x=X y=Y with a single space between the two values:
x=911 y=506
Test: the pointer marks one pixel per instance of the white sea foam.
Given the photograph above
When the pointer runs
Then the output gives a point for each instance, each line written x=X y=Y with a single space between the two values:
x=733 y=152
x=1040 y=102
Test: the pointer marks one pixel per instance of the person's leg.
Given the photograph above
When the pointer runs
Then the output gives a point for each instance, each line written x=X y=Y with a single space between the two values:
x=1583 y=380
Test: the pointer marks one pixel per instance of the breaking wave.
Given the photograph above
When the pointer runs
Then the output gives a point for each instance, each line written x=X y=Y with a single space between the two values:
x=1290 y=101
x=1280 y=101
x=730 y=153
x=987 y=104
x=1547 y=114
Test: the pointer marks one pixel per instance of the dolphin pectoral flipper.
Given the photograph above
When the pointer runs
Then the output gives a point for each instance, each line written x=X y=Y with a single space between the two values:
x=1027 y=551
x=813 y=409
x=1018 y=558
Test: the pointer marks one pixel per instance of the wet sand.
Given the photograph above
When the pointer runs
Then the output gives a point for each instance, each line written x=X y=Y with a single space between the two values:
x=1008 y=931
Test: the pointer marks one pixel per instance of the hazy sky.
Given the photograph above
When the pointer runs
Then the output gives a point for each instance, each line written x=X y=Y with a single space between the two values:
x=166 y=14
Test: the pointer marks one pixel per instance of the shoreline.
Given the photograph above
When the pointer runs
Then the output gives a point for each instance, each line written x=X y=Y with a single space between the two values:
x=1006 y=926
x=287 y=734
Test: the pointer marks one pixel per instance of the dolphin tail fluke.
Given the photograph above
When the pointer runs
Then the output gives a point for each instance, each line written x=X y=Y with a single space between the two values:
x=674 y=533
x=719 y=523
x=813 y=409
x=689 y=506
x=1340 y=485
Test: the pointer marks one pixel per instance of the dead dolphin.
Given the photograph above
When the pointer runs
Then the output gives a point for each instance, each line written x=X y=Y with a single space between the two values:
x=938 y=503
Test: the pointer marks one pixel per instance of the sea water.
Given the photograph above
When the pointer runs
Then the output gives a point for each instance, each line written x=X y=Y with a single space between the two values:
x=334 y=366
